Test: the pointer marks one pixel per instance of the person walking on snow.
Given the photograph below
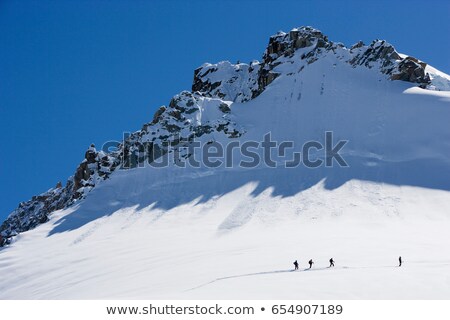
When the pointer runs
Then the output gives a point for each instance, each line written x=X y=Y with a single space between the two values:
x=296 y=265
x=310 y=263
x=400 y=261
x=331 y=262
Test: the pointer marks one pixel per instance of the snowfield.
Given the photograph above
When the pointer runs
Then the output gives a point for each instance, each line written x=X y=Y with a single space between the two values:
x=203 y=233
x=240 y=246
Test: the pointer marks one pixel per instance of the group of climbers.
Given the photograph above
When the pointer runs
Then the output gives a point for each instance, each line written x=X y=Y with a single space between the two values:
x=311 y=262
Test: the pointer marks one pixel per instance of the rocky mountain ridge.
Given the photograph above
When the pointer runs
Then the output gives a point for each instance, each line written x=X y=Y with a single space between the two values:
x=220 y=84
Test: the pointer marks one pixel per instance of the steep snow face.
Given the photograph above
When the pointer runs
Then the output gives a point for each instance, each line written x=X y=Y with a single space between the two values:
x=223 y=232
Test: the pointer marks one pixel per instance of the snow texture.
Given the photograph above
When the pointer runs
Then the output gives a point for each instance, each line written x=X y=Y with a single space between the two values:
x=233 y=233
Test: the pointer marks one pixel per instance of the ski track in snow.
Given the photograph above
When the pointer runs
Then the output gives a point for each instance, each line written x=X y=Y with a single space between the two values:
x=331 y=269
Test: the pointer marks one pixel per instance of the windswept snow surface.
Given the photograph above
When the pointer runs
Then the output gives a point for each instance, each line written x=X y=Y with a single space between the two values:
x=238 y=245
x=222 y=233
x=439 y=80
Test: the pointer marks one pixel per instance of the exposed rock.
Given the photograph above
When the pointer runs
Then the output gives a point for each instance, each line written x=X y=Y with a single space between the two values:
x=357 y=45
x=285 y=45
x=90 y=154
x=412 y=70
x=157 y=115
x=224 y=108
x=35 y=211
x=223 y=80
x=383 y=55
x=377 y=52
x=226 y=81
x=95 y=167
x=178 y=125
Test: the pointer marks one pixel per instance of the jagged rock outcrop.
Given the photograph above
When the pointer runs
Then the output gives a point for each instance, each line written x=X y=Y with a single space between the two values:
x=243 y=82
x=382 y=54
x=285 y=45
x=230 y=82
x=175 y=126
x=412 y=70
x=31 y=213
x=315 y=44
x=377 y=52
x=95 y=167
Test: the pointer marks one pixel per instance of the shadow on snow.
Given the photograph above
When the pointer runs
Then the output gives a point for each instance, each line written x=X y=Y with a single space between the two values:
x=118 y=193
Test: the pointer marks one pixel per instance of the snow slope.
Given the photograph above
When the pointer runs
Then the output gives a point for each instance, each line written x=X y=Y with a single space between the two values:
x=233 y=233
x=238 y=244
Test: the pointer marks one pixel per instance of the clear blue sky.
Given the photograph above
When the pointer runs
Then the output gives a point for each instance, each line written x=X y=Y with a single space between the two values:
x=77 y=72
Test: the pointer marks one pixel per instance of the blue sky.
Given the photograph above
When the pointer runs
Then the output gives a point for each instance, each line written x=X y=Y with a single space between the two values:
x=79 y=72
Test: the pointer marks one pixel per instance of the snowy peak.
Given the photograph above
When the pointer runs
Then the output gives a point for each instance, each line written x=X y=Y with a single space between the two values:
x=242 y=82
x=207 y=111
x=315 y=45
x=285 y=44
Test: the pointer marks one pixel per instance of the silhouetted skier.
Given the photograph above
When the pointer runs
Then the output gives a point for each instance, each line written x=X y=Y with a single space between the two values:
x=331 y=262
x=310 y=263
x=296 y=265
x=399 y=261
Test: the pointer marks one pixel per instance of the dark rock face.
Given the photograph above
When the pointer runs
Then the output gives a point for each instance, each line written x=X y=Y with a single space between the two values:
x=224 y=108
x=201 y=83
x=285 y=44
x=226 y=81
x=376 y=51
x=412 y=70
x=357 y=45
x=158 y=114
x=95 y=167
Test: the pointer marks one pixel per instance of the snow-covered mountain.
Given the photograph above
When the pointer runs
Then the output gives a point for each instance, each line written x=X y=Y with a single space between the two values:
x=123 y=228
